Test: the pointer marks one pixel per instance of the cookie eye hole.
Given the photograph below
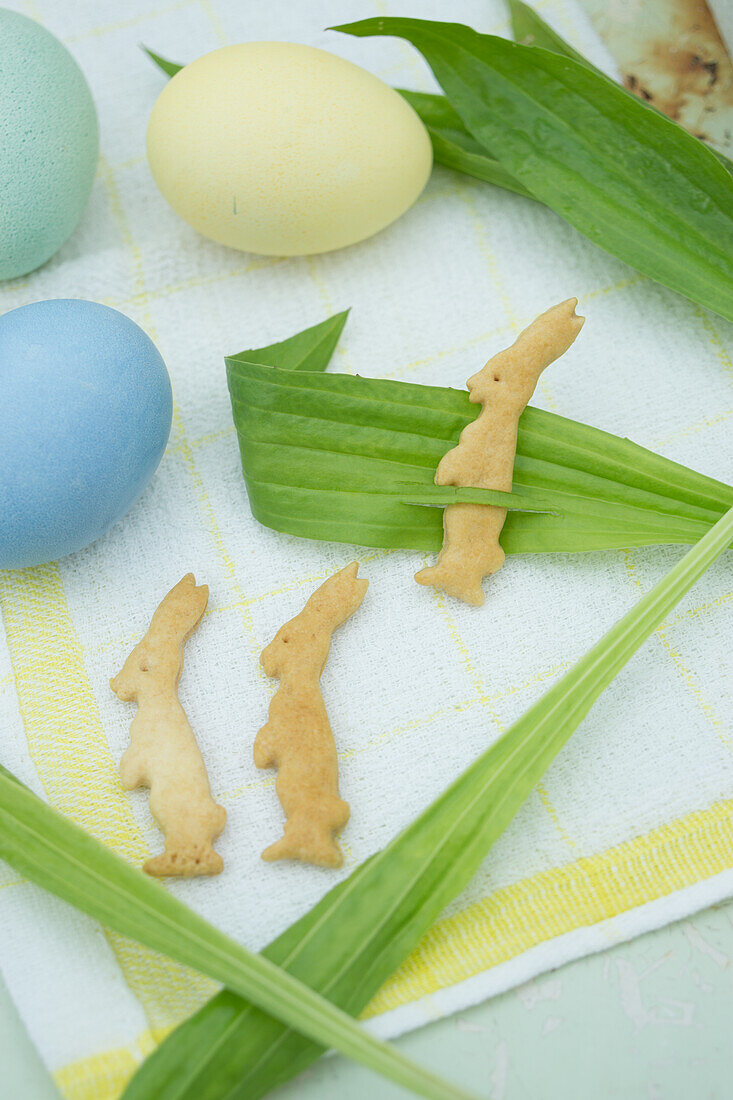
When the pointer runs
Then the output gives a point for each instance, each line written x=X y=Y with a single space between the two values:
x=144 y=666
x=497 y=378
x=285 y=641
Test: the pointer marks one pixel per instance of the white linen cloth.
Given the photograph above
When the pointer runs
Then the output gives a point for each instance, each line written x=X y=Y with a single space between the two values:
x=638 y=804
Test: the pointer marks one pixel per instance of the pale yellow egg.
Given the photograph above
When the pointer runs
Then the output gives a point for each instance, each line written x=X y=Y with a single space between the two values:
x=285 y=150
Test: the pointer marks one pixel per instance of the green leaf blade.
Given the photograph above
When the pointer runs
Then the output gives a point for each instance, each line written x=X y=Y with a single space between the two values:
x=309 y=350
x=326 y=456
x=454 y=147
x=48 y=849
x=530 y=29
x=438 y=496
x=632 y=181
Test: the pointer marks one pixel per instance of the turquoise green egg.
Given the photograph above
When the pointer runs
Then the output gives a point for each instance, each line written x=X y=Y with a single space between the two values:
x=49 y=144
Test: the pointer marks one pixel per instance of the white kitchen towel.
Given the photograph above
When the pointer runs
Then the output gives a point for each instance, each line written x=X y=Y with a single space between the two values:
x=631 y=826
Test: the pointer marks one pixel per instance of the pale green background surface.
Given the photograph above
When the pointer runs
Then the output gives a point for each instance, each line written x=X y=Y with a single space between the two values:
x=648 y=1020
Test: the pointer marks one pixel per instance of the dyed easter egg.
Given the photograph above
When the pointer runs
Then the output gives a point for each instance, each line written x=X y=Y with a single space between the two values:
x=285 y=150
x=84 y=419
x=49 y=144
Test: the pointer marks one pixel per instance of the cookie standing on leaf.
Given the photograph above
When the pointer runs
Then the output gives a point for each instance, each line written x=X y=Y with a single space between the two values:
x=163 y=753
x=484 y=456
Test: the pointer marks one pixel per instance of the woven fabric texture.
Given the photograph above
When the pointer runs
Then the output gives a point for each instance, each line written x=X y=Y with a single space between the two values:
x=632 y=825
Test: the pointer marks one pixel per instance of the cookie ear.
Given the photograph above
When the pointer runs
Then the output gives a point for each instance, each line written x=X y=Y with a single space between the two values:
x=269 y=657
x=355 y=589
x=340 y=595
x=199 y=600
x=181 y=609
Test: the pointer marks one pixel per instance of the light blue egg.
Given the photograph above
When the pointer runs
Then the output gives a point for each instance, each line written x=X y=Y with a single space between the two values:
x=49 y=143
x=85 y=415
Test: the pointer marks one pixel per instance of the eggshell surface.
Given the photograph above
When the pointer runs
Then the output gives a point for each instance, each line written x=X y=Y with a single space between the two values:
x=84 y=419
x=283 y=149
x=48 y=144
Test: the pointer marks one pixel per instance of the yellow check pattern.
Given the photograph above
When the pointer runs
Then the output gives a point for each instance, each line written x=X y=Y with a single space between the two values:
x=63 y=726
x=504 y=925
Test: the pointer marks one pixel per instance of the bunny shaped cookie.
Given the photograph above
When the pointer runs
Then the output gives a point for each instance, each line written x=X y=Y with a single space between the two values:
x=297 y=738
x=163 y=753
x=484 y=456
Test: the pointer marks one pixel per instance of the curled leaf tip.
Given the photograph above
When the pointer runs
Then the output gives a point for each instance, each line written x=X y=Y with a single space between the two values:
x=170 y=68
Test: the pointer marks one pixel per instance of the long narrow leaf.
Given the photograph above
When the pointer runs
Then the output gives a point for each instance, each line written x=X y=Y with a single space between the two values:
x=529 y=28
x=331 y=456
x=51 y=851
x=454 y=147
x=631 y=180
x=360 y=932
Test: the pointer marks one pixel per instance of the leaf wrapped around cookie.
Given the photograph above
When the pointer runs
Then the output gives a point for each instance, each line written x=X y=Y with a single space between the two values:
x=348 y=459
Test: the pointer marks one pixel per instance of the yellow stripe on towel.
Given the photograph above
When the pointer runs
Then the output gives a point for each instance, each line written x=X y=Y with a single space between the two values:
x=65 y=740
x=512 y=920
x=505 y=924
x=104 y=1076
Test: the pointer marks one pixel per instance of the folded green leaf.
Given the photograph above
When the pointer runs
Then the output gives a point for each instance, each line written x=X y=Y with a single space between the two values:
x=631 y=180
x=51 y=851
x=360 y=932
x=437 y=496
x=331 y=457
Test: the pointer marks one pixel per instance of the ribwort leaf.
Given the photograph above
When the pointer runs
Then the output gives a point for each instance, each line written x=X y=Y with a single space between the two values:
x=345 y=459
x=631 y=180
